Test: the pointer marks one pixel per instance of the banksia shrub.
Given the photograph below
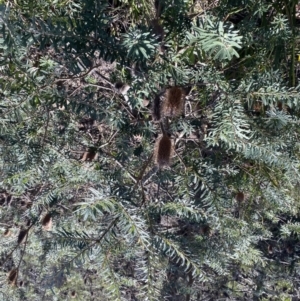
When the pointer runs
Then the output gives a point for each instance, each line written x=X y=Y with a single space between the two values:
x=12 y=276
x=174 y=102
x=163 y=151
x=47 y=222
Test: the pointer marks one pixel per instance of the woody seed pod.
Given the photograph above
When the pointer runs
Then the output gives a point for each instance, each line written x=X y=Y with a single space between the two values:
x=73 y=294
x=174 y=102
x=89 y=156
x=12 y=276
x=163 y=150
x=205 y=230
x=158 y=30
x=7 y=233
x=47 y=222
x=270 y=249
x=22 y=236
x=289 y=249
x=156 y=108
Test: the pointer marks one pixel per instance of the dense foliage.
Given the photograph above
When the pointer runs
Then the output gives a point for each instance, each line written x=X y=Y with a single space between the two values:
x=96 y=95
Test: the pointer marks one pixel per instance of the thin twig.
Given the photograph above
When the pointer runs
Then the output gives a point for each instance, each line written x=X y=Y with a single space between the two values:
x=140 y=176
x=185 y=168
x=130 y=175
x=46 y=129
x=109 y=140
x=96 y=241
x=121 y=165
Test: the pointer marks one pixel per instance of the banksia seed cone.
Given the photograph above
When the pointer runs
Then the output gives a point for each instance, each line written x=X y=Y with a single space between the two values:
x=12 y=276
x=163 y=150
x=73 y=294
x=47 y=222
x=174 y=102
x=22 y=236
x=240 y=197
